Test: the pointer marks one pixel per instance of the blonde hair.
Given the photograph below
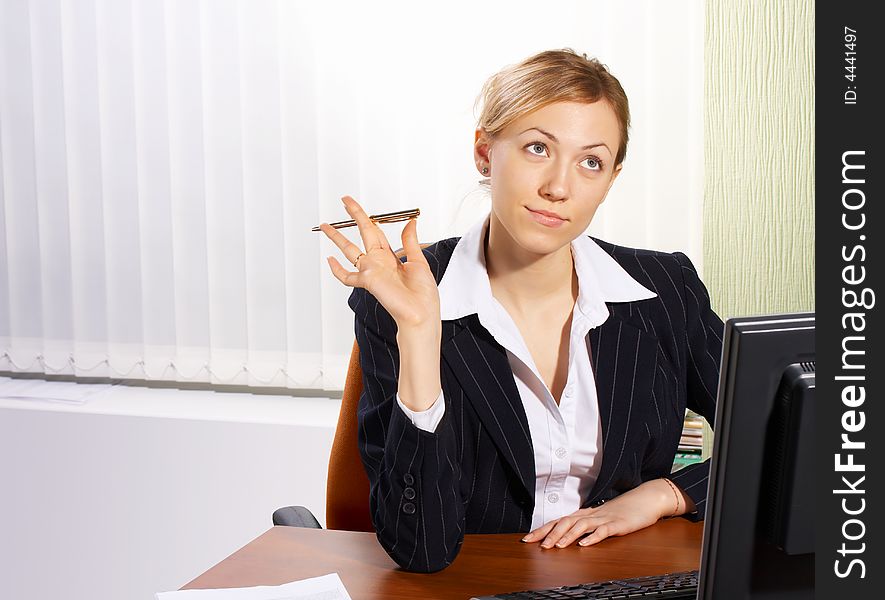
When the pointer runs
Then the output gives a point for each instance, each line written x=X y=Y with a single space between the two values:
x=548 y=77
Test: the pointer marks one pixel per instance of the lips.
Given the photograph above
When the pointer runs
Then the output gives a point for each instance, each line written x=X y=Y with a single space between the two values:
x=546 y=218
x=547 y=213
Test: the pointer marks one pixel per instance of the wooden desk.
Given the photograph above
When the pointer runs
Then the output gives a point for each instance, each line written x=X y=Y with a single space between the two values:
x=487 y=564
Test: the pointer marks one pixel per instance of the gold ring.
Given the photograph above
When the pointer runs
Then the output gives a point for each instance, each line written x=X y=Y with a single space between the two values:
x=356 y=263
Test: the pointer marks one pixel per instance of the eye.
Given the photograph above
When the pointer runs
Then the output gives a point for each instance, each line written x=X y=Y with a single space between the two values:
x=537 y=148
x=592 y=163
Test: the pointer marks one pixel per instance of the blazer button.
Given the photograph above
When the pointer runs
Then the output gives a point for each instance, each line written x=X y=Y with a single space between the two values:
x=409 y=508
x=408 y=479
x=409 y=493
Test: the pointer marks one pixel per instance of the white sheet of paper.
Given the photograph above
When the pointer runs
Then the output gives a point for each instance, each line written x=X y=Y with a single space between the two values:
x=51 y=391
x=326 y=587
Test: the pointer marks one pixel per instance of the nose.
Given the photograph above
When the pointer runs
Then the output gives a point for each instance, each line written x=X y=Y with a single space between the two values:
x=555 y=186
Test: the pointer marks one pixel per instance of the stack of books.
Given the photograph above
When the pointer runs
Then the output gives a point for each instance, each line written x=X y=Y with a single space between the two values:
x=692 y=441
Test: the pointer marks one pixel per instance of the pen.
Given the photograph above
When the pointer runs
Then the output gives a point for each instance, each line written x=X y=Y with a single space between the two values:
x=392 y=217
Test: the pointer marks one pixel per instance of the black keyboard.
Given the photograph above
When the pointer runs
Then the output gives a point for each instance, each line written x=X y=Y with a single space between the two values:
x=670 y=586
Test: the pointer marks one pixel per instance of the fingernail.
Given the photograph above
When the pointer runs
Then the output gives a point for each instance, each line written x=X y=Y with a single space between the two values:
x=560 y=545
x=525 y=539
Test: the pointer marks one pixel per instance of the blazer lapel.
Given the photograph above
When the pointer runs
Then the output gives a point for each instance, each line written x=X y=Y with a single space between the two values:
x=624 y=359
x=481 y=366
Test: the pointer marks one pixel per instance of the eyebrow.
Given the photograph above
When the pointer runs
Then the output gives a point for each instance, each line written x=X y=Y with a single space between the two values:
x=553 y=138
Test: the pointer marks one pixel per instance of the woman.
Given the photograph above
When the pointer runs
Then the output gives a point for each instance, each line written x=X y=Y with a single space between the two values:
x=525 y=377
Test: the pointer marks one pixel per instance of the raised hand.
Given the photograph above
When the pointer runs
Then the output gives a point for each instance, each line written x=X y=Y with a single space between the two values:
x=407 y=290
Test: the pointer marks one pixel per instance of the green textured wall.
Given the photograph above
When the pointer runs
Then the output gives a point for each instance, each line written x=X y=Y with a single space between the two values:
x=759 y=156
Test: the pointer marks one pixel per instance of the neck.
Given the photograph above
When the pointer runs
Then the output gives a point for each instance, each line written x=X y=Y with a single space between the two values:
x=525 y=281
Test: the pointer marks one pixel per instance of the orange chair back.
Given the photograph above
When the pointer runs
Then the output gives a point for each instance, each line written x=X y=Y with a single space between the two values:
x=347 y=486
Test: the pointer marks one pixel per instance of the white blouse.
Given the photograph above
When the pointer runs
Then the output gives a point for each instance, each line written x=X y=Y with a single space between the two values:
x=566 y=438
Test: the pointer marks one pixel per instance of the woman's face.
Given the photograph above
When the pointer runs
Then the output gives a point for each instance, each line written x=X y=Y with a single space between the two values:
x=556 y=160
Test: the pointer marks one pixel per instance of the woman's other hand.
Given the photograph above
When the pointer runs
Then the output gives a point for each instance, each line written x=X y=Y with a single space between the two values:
x=408 y=291
x=642 y=506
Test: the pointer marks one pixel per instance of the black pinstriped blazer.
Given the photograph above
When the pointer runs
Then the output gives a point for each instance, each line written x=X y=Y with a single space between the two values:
x=476 y=474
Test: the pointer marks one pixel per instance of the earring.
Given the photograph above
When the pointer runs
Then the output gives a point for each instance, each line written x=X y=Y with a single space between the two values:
x=485 y=170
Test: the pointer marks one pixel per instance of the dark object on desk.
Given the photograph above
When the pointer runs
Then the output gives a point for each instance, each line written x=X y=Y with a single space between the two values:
x=295 y=516
x=759 y=531
x=673 y=586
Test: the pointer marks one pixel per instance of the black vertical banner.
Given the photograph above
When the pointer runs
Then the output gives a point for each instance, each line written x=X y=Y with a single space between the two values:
x=850 y=362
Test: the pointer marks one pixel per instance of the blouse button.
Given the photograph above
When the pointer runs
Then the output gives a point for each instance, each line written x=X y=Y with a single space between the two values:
x=409 y=493
x=553 y=498
x=409 y=508
x=569 y=389
x=408 y=478
x=561 y=452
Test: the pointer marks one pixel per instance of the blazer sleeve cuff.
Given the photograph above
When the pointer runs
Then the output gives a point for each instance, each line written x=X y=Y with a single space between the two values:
x=693 y=481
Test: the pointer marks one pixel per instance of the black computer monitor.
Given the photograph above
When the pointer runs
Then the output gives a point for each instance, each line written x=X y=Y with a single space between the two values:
x=759 y=530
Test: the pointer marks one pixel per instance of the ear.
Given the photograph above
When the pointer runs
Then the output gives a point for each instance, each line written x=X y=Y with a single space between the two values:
x=482 y=146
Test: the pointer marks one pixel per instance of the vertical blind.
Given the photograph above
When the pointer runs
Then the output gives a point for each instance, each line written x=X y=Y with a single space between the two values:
x=162 y=164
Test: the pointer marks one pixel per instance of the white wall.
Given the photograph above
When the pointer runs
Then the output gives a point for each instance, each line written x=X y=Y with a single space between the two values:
x=115 y=500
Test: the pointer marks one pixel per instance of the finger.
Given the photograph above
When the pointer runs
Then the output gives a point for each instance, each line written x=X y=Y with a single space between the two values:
x=348 y=248
x=539 y=533
x=599 y=534
x=410 y=242
x=580 y=527
x=348 y=278
x=562 y=527
x=372 y=235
